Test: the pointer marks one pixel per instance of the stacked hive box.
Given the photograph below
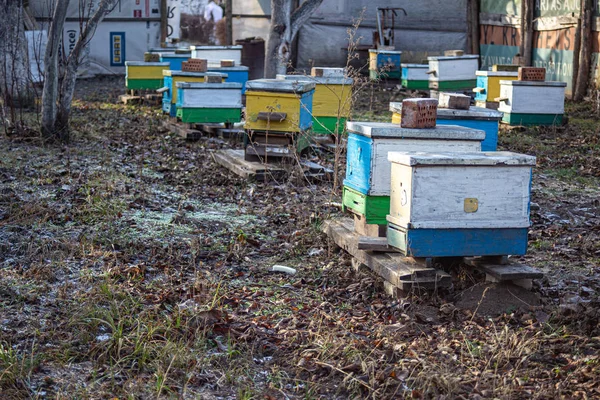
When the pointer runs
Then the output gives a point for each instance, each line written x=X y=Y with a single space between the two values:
x=453 y=73
x=332 y=101
x=384 y=64
x=531 y=100
x=488 y=87
x=415 y=77
x=144 y=75
x=474 y=117
x=457 y=205
x=236 y=74
x=367 y=183
x=170 y=83
x=278 y=117
x=209 y=102
x=175 y=60
x=214 y=54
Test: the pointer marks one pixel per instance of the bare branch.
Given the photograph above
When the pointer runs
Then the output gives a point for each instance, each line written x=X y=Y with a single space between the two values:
x=302 y=14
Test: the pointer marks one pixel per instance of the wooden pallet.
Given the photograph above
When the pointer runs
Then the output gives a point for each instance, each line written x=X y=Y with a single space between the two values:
x=224 y=131
x=182 y=130
x=234 y=161
x=500 y=269
x=130 y=99
x=400 y=274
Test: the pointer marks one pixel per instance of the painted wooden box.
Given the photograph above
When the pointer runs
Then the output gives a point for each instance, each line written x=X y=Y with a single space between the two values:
x=532 y=102
x=170 y=82
x=367 y=166
x=384 y=64
x=459 y=204
x=237 y=74
x=175 y=60
x=141 y=75
x=209 y=102
x=475 y=117
x=279 y=105
x=415 y=77
x=488 y=86
x=214 y=54
x=453 y=73
x=332 y=101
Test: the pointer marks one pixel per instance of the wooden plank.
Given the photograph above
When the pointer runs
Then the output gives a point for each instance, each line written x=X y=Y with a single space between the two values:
x=130 y=99
x=402 y=272
x=504 y=272
x=234 y=161
x=183 y=131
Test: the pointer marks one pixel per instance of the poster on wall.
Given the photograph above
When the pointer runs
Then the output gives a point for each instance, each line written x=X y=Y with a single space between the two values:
x=173 y=20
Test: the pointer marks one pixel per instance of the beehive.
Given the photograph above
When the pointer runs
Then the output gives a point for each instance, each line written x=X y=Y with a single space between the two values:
x=384 y=64
x=170 y=82
x=144 y=75
x=367 y=183
x=209 y=102
x=453 y=73
x=532 y=102
x=279 y=105
x=459 y=204
x=174 y=60
x=488 y=86
x=415 y=77
x=214 y=54
x=475 y=117
x=237 y=74
x=332 y=101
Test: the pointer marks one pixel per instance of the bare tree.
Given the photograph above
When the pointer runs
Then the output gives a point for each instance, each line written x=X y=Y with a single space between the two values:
x=285 y=24
x=59 y=83
x=14 y=66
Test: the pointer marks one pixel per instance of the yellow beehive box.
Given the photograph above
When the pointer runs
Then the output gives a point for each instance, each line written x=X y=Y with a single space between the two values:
x=488 y=84
x=279 y=105
x=144 y=75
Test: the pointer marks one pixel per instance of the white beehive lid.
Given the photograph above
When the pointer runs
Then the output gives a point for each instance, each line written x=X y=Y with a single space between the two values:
x=474 y=113
x=391 y=131
x=488 y=158
x=280 y=85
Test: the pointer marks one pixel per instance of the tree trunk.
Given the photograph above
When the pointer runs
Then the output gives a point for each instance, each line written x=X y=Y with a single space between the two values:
x=585 y=53
x=50 y=90
x=284 y=28
x=14 y=65
x=63 y=94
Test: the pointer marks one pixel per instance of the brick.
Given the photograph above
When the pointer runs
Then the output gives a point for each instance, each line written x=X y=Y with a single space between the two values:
x=227 y=63
x=419 y=113
x=455 y=101
x=213 y=79
x=194 y=65
x=532 y=74
x=151 y=57
x=505 y=67
x=454 y=53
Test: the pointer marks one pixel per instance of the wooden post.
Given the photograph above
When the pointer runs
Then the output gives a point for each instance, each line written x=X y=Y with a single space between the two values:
x=474 y=20
x=163 y=22
x=585 y=54
x=527 y=34
x=576 y=50
x=229 y=22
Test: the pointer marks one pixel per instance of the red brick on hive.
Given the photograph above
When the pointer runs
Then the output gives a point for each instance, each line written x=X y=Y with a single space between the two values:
x=227 y=63
x=419 y=113
x=532 y=74
x=194 y=65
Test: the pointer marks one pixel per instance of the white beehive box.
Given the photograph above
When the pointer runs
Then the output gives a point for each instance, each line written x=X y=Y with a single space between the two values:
x=453 y=73
x=532 y=102
x=214 y=54
x=459 y=204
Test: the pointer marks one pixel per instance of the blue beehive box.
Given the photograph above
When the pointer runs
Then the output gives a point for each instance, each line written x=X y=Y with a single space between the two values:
x=175 y=60
x=480 y=118
x=237 y=74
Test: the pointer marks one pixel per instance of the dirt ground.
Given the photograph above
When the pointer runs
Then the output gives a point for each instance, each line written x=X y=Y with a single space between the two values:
x=133 y=266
